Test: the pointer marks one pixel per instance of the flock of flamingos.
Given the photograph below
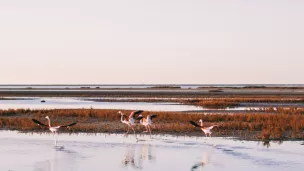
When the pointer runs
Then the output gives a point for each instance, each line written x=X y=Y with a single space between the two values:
x=129 y=121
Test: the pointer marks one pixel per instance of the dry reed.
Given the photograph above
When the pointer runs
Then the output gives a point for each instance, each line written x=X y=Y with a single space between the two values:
x=286 y=124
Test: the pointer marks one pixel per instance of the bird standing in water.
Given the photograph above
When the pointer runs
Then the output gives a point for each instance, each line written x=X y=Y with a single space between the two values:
x=53 y=129
x=129 y=121
x=206 y=130
x=147 y=122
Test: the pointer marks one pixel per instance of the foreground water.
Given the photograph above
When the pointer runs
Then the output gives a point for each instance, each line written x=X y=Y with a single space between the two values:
x=28 y=152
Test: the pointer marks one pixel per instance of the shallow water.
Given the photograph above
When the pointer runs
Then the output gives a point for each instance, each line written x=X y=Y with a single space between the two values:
x=85 y=103
x=75 y=103
x=28 y=152
x=88 y=103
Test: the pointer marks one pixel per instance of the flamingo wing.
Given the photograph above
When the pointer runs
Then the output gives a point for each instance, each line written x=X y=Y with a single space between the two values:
x=152 y=116
x=39 y=123
x=195 y=124
x=139 y=118
x=211 y=127
x=125 y=118
x=72 y=124
x=134 y=113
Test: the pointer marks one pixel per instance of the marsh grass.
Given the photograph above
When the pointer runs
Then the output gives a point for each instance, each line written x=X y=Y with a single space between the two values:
x=212 y=103
x=286 y=124
x=236 y=101
x=165 y=87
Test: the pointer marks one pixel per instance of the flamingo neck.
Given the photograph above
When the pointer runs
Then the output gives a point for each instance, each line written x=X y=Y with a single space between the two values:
x=121 y=118
x=49 y=122
x=201 y=123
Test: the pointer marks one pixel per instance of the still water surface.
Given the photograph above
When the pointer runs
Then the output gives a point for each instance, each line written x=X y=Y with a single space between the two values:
x=75 y=103
x=85 y=103
x=95 y=152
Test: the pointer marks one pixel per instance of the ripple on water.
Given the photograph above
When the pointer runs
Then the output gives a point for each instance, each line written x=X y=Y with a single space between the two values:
x=115 y=152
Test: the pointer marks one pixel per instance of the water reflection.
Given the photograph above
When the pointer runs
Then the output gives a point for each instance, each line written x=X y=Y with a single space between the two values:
x=44 y=166
x=146 y=153
x=266 y=143
x=200 y=165
x=129 y=158
x=135 y=158
x=111 y=152
x=60 y=159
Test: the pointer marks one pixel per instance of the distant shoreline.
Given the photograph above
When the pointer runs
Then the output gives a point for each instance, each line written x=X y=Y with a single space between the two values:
x=183 y=86
x=153 y=92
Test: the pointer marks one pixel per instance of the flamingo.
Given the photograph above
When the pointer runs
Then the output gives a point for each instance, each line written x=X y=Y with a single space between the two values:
x=129 y=121
x=147 y=122
x=206 y=130
x=53 y=129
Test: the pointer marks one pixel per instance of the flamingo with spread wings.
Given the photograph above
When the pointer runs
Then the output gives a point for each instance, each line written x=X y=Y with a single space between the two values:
x=147 y=122
x=53 y=129
x=206 y=130
x=129 y=121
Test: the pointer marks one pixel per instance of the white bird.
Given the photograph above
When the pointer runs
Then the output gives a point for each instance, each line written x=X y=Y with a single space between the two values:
x=129 y=121
x=147 y=122
x=53 y=129
x=206 y=130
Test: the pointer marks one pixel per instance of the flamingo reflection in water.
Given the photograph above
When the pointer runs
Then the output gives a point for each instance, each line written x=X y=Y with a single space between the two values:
x=202 y=163
x=129 y=158
x=136 y=161
x=60 y=159
x=146 y=153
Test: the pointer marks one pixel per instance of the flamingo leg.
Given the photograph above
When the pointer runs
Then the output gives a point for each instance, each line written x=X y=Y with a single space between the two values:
x=146 y=128
x=133 y=129
x=150 y=130
x=127 y=130
x=55 y=138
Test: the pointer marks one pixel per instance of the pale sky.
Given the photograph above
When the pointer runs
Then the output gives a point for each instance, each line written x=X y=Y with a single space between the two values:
x=151 y=41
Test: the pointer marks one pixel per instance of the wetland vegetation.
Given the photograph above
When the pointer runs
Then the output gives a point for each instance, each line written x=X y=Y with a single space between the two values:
x=281 y=124
x=281 y=119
